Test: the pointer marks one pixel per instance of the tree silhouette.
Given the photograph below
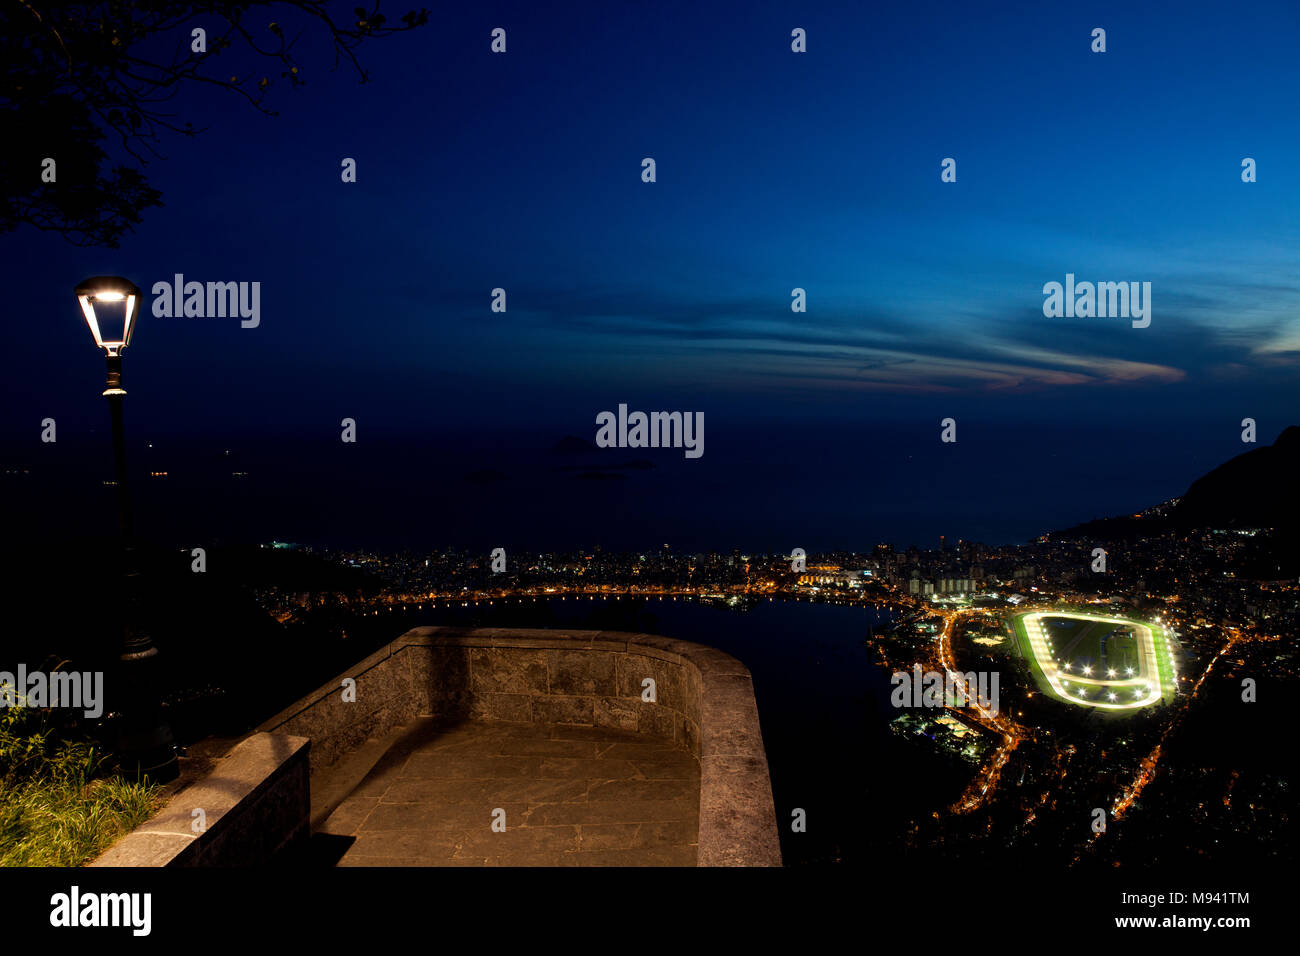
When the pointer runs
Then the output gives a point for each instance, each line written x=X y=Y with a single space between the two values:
x=73 y=75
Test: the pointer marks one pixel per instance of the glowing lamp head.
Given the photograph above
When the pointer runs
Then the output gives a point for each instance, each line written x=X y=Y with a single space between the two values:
x=111 y=305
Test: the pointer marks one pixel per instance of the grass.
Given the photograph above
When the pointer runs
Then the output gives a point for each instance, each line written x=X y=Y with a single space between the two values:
x=1163 y=667
x=1022 y=648
x=1080 y=641
x=55 y=808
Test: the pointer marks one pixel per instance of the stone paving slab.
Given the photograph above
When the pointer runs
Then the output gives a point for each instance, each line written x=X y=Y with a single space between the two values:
x=572 y=796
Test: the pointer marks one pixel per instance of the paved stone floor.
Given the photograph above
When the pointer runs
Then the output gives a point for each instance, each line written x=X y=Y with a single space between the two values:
x=572 y=796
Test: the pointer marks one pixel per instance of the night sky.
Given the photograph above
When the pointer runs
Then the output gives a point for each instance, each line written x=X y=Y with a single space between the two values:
x=775 y=170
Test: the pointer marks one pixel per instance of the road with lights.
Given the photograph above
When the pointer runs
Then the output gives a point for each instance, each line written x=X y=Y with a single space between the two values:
x=985 y=782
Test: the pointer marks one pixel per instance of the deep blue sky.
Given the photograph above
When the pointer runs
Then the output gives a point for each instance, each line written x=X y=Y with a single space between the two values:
x=775 y=170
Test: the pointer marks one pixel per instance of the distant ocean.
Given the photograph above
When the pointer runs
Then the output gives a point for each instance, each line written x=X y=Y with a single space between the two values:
x=766 y=490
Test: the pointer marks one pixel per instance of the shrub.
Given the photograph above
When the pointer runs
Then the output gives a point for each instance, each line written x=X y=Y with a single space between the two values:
x=56 y=807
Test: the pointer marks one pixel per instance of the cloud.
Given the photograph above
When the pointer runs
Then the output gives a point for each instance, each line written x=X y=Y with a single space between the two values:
x=761 y=342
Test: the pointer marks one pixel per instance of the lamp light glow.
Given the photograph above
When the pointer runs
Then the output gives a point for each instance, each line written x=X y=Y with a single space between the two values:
x=111 y=327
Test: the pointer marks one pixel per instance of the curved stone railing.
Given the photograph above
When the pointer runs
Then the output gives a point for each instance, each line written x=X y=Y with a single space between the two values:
x=704 y=702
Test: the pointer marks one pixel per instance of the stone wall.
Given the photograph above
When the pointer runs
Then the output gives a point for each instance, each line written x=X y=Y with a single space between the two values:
x=704 y=703
x=254 y=806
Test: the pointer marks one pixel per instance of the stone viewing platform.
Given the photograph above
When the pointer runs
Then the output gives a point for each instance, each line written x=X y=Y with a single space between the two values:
x=569 y=795
x=488 y=747
x=551 y=734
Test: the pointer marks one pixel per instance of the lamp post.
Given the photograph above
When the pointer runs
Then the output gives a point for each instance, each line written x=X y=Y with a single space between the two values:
x=145 y=746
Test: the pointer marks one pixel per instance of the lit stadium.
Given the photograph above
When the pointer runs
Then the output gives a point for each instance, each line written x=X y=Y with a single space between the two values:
x=1096 y=660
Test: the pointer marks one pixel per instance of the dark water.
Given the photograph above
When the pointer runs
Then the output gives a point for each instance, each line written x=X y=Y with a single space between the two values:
x=752 y=490
x=823 y=705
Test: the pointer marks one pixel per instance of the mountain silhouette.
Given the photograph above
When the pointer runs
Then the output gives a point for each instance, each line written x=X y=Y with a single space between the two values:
x=1256 y=489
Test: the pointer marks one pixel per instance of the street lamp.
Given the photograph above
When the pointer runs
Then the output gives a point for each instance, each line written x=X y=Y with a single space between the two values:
x=145 y=746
